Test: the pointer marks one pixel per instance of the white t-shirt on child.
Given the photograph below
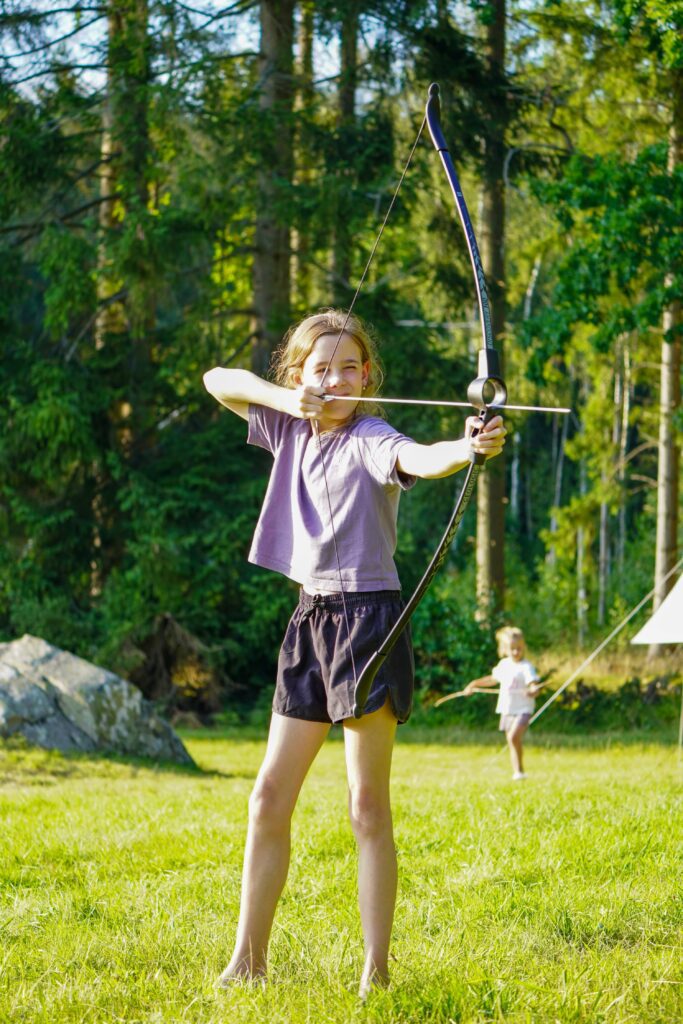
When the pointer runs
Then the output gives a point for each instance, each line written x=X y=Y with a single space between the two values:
x=514 y=677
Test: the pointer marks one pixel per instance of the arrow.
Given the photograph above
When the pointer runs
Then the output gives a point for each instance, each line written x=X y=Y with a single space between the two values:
x=427 y=401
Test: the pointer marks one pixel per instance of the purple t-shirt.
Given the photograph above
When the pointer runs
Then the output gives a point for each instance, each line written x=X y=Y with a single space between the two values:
x=294 y=532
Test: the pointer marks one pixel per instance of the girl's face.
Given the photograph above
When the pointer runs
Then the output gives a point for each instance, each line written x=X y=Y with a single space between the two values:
x=516 y=648
x=347 y=375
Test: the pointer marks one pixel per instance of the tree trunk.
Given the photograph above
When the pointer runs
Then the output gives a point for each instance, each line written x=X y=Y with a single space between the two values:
x=491 y=487
x=129 y=79
x=625 y=408
x=125 y=314
x=551 y=556
x=302 y=283
x=514 y=477
x=670 y=399
x=581 y=592
x=603 y=556
x=346 y=117
x=110 y=319
x=125 y=151
x=271 y=269
x=531 y=288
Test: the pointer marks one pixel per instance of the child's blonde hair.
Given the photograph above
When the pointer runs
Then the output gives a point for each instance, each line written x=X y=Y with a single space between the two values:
x=504 y=638
x=298 y=344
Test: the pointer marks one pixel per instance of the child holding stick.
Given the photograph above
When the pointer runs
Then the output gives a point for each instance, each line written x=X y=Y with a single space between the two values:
x=518 y=681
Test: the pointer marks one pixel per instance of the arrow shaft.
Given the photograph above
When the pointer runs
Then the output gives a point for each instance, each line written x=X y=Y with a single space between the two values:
x=428 y=401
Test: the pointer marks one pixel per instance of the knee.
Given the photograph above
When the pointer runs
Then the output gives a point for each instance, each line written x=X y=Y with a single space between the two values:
x=370 y=812
x=268 y=807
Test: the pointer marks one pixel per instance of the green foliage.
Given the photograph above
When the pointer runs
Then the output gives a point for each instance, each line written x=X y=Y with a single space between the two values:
x=661 y=21
x=625 y=223
x=125 y=494
x=634 y=705
x=451 y=647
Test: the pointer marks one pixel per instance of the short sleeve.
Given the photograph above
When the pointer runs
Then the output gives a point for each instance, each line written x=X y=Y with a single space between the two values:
x=379 y=445
x=268 y=427
x=498 y=672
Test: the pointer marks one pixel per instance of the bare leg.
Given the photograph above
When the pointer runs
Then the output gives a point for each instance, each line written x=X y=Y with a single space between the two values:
x=515 y=738
x=292 y=747
x=369 y=743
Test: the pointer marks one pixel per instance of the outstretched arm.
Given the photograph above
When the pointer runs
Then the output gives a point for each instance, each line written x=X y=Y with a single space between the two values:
x=238 y=389
x=479 y=684
x=431 y=461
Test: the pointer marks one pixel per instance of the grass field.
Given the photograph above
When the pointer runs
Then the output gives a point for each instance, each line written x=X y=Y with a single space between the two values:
x=555 y=900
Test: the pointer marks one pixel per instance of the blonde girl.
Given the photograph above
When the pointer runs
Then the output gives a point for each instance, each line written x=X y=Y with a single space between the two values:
x=328 y=521
x=518 y=681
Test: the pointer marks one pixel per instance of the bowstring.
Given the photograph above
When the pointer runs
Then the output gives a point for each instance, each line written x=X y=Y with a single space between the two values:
x=374 y=248
x=316 y=427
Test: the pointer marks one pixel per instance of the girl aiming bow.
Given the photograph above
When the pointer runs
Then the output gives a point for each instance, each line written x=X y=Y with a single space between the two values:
x=330 y=454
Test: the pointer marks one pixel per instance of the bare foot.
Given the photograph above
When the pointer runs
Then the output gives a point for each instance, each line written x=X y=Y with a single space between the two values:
x=240 y=975
x=372 y=979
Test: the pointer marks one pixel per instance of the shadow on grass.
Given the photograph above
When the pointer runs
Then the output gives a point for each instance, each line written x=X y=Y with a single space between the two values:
x=27 y=765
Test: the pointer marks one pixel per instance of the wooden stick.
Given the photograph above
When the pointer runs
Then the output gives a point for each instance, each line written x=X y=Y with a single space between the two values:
x=463 y=693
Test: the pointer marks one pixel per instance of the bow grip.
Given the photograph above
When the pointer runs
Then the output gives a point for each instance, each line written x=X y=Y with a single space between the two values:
x=486 y=393
x=485 y=416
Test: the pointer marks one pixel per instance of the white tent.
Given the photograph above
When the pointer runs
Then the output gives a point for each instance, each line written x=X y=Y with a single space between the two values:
x=666 y=625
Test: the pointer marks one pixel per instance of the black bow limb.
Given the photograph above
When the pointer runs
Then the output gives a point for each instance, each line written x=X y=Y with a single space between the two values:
x=486 y=393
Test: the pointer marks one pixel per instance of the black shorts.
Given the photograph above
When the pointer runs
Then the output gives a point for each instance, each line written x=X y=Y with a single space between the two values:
x=315 y=673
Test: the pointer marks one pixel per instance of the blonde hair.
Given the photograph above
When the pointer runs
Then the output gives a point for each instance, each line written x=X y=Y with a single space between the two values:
x=300 y=339
x=504 y=638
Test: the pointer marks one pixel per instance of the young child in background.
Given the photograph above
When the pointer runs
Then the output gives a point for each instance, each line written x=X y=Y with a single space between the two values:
x=330 y=456
x=518 y=681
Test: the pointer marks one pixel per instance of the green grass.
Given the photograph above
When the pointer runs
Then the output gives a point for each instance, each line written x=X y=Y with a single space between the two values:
x=558 y=900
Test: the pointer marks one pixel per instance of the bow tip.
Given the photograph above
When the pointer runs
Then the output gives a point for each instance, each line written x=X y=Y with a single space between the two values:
x=433 y=90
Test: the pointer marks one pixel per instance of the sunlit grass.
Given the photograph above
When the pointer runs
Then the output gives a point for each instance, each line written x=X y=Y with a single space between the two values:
x=556 y=900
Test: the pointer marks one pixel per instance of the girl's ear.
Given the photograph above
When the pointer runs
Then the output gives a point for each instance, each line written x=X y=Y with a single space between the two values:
x=366 y=373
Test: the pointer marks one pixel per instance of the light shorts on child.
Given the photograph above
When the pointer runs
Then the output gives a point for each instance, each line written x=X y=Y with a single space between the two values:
x=315 y=678
x=508 y=722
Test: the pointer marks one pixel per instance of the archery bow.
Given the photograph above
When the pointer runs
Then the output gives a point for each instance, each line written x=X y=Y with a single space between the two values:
x=486 y=393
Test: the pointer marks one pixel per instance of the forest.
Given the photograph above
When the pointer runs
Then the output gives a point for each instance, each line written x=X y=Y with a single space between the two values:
x=180 y=182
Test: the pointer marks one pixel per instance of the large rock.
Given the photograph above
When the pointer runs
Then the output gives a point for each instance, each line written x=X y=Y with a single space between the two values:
x=61 y=702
